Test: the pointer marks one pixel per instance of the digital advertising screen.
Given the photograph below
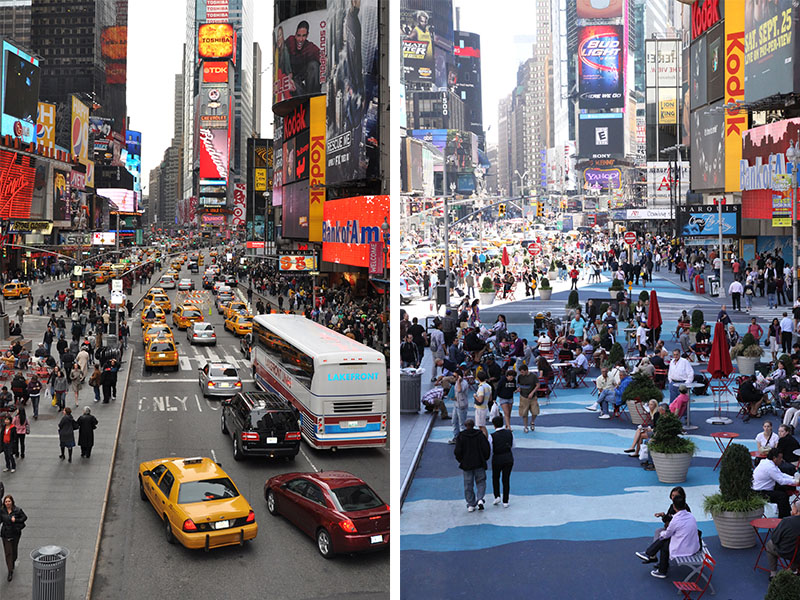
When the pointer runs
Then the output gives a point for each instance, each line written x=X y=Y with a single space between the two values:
x=124 y=200
x=698 y=67
x=300 y=46
x=215 y=72
x=708 y=148
x=295 y=210
x=715 y=63
x=600 y=66
x=17 y=177
x=104 y=238
x=20 y=93
x=350 y=225
x=46 y=125
x=79 y=133
x=599 y=9
x=295 y=146
x=769 y=48
x=216 y=40
x=417 y=45
x=214 y=155
x=601 y=135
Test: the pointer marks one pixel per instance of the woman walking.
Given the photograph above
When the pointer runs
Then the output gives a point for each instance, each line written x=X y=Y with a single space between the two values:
x=76 y=379
x=8 y=436
x=34 y=393
x=12 y=522
x=66 y=433
x=60 y=384
x=23 y=427
x=95 y=381
x=502 y=459
x=87 y=423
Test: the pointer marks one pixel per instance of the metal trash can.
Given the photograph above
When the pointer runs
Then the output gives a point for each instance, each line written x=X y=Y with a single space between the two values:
x=49 y=572
x=410 y=392
x=713 y=286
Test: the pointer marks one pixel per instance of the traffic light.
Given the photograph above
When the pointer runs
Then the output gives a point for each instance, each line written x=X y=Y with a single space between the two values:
x=501 y=211
x=540 y=209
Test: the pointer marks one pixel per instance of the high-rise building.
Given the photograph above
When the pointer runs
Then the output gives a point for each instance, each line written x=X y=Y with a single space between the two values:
x=257 y=68
x=467 y=87
x=504 y=163
x=15 y=21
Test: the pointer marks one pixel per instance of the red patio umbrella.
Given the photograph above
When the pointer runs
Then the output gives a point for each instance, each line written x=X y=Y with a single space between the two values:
x=653 y=313
x=504 y=260
x=719 y=363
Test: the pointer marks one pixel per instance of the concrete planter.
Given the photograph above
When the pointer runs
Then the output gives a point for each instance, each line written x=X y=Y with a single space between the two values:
x=613 y=293
x=671 y=468
x=746 y=365
x=487 y=298
x=734 y=529
x=552 y=275
x=545 y=293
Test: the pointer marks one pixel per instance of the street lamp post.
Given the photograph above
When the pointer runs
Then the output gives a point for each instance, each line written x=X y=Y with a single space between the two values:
x=447 y=244
x=385 y=231
x=521 y=182
x=793 y=156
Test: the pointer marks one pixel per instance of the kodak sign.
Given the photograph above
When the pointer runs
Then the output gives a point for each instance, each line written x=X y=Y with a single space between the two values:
x=316 y=183
x=704 y=15
x=735 y=120
x=215 y=72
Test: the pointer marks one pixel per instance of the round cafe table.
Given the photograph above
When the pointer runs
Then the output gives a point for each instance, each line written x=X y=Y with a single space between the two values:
x=719 y=438
x=762 y=523
x=690 y=386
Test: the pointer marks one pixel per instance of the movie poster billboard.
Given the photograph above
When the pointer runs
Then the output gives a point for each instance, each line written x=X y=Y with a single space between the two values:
x=698 y=93
x=601 y=75
x=352 y=96
x=708 y=148
x=599 y=9
x=20 y=93
x=46 y=125
x=715 y=63
x=704 y=220
x=60 y=197
x=416 y=32
x=299 y=56
x=769 y=48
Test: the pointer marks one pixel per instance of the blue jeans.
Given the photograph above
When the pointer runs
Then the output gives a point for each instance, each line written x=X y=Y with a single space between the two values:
x=772 y=300
x=459 y=416
x=476 y=478
x=96 y=393
x=748 y=301
x=673 y=391
x=604 y=398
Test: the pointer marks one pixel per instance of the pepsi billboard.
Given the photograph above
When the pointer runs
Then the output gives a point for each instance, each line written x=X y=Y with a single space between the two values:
x=601 y=62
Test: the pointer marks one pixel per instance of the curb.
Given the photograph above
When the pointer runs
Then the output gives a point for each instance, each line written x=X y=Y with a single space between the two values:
x=409 y=477
x=110 y=475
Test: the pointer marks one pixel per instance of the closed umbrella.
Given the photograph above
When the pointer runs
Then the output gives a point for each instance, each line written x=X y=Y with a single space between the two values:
x=654 y=320
x=504 y=260
x=720 y=367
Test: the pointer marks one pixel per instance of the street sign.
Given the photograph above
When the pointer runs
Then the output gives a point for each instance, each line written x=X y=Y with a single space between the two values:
x=116 y=285
x=534 y=249
x=630 y=238
x=117 y=297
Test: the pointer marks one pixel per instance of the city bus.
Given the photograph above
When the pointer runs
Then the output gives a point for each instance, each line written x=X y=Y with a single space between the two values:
x=337 y=384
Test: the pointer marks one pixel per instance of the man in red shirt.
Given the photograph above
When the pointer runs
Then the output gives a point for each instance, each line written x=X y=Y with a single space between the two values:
x=573 y=274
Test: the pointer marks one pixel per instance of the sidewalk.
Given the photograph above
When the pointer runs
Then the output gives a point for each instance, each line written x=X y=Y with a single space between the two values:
x=64 y=501
x=414 y=432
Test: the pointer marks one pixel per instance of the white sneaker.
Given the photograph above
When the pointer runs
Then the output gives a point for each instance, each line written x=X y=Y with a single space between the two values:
x=470 y=509
x=592 y=407
x=496 y=501
x=505 y=504
x=604 y=417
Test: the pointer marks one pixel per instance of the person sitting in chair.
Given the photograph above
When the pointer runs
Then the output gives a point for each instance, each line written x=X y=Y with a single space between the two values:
x=680 y=538
x=783 y=540
x=771 y=483
x=750 y=395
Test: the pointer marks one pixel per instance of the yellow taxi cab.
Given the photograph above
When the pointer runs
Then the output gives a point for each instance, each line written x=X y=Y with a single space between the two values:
x=233 y=307
x=177 y=264
x=239 y=323
x=152 y=313
x=174 y=274
x=185 y=315
x=156 y=289
x=16 y=290
x=213 y=253
x=161 y=353
x=157 y=331
x=102 y=275
x=198 y=502
x=161 y=299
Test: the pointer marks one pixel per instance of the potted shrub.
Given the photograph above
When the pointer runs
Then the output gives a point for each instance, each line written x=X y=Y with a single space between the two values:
x=697 y=320
x=736 y=504
x=641 y=389
x=671 y=453
x=487 y=291
x=747 y=353
x=617 y=285
x=784 y=586
x=573 y=301
x=545 y=291
x=603 y=308
x=616 y=354
x=553 y=273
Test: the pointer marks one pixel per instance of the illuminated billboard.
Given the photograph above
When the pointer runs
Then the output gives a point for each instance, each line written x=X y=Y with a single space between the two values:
x=735 y=121
x=600 y=66
x=769 y=46
x=352 y=95
x=715 y=67
x=599 y=9
x=122 y=200
x=214 y=155
x=17 y=177
x=417 y=40
x=708 y=148
x=79 y=131
x=300 y=53
x=601 y=135
x=350 y=225
x=216 y=40
x=46 y=125
x=104 y=238
x=295 y=146
x=215 y=72
x=20 y=93
x=697 y=94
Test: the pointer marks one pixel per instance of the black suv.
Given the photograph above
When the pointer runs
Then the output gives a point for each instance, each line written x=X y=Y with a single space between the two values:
x=261 y=424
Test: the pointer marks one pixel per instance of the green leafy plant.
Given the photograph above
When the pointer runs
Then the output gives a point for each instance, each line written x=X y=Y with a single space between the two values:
x=603 y=309
x=616 y=354
x=784 y=586
x=788 y=364
x=697 y=320
x=487 y=286
x=667 y=436
x=544 y=283
x=748 y=346
x=735 y=481
x=644 y=296
x=526 y=261
x=573 y=301
x=642 y=388
x=617 y=284
x=552 y=265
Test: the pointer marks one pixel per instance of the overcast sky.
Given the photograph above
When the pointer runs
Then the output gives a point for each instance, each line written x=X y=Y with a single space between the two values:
x=156 y=30
x=507 y=38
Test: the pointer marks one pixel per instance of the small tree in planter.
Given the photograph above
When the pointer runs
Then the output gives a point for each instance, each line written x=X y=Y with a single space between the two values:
x=644 y=296
x=615 y=355
x=641 y=389
x=552 y=273
x=671 y=453
x=784 y=586
x=747 y=353
x=487 y=291
x=697 y=320
x=736 y=504
x=545 y=291
x=603 y=309
x=617 y=285
x=573 y=301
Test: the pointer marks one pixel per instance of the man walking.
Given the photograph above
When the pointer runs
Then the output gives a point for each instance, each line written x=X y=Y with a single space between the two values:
x=735 y=290
x=472 y=451
x=786 y=333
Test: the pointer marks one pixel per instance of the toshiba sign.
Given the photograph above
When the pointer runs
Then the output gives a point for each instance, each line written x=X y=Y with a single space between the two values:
x=215 y=40
x=215 y=72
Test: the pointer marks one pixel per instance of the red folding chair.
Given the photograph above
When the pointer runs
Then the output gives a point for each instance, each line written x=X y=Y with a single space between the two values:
x=787 y=564
x=546 y=389
x=643 y=413
x=660 y=378
x=687 y=588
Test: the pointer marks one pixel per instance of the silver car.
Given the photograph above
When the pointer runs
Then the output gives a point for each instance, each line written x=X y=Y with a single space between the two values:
x=219 y=379
x=185 y=284
x=166 y=282
x=201 y=333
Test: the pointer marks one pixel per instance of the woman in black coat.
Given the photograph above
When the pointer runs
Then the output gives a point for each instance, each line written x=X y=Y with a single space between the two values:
x=502 y=459
x=12 y=522
x=66 y=433
x=87 y=423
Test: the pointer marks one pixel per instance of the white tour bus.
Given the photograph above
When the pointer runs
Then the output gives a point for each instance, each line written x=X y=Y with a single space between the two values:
x=337 y=384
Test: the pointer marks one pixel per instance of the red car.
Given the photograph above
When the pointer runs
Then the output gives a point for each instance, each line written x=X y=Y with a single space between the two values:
x=341 y=512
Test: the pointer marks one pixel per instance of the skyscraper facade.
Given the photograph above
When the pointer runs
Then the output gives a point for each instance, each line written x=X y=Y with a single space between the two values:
x=15 y=21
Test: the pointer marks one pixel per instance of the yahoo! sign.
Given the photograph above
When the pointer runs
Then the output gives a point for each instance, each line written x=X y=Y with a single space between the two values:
x=603 y=178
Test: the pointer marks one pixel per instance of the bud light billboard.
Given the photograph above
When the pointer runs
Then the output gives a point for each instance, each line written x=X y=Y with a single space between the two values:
x=601 y=66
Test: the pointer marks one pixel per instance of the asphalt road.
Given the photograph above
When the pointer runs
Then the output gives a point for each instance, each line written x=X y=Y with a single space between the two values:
x=165 y=415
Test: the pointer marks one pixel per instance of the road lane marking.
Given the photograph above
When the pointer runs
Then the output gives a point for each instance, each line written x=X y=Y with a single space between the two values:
x=230 y=359
x=212 y=356
x=197 y=399
x=313 y=466
x=185 y=364
x=213 y=455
